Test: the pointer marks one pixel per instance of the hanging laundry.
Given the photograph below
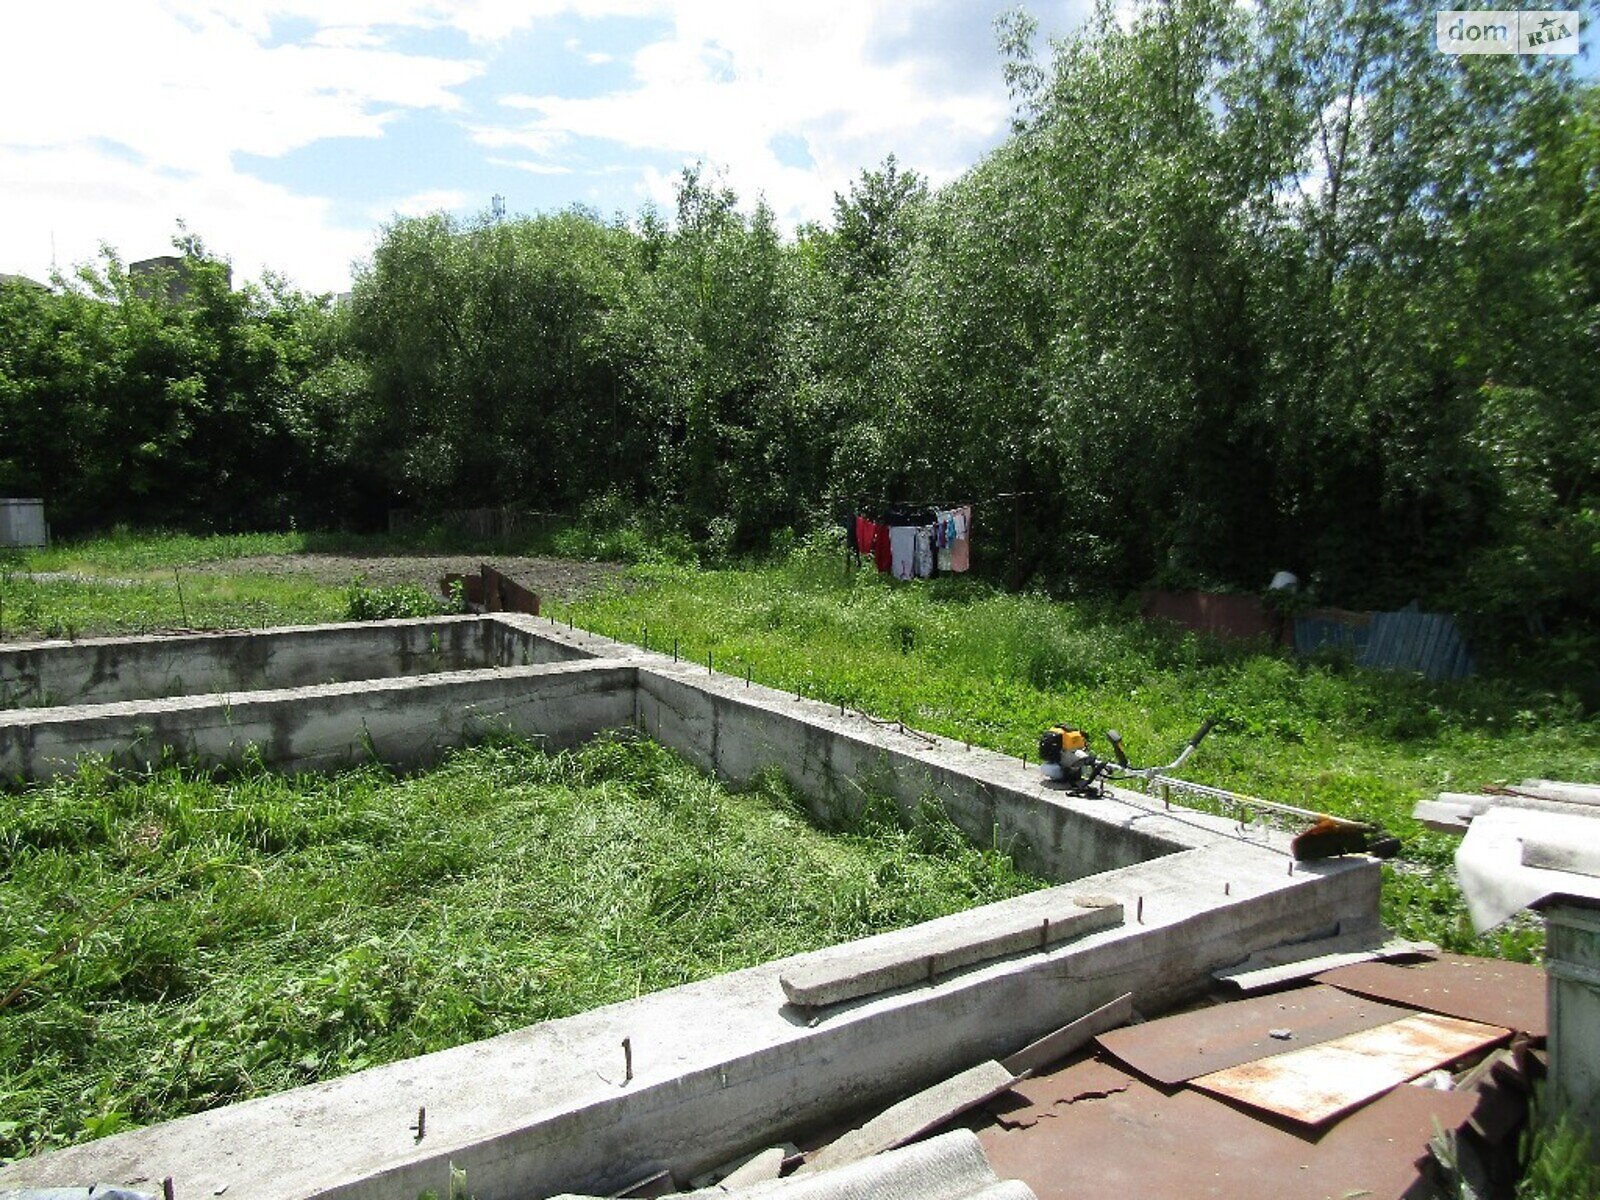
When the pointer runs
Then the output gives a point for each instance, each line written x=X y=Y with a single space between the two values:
x=944 y=529
x=922 y=554
x=902 y=551
x=881 y=550
x=961 y=546
x=866 y=528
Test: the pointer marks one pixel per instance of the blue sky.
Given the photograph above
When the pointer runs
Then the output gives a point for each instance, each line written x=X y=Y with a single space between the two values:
x=285 y=132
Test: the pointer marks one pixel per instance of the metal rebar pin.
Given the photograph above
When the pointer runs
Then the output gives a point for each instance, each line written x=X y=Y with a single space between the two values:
x=1139 y=914
x=627 y=1060
x=421 y=1127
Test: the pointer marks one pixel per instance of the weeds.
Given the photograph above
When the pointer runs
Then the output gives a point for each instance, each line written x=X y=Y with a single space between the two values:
x=959 y=658
x=173 y=942
x=1561 y=1160
x=364 y=603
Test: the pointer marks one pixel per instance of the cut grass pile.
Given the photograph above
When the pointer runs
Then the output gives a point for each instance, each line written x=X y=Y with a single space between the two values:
x=958 y=658
x=174 y=942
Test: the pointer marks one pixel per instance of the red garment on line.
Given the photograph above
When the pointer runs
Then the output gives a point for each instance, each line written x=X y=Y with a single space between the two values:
x=864 y=531
x=881 y=554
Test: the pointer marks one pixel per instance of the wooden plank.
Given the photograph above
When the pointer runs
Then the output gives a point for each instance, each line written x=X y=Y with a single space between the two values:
x=1560 y=856
x=1442 y=816
x=915 y=1116
x=763 y=1165
x=1055 y=1046
x=1316 y=1084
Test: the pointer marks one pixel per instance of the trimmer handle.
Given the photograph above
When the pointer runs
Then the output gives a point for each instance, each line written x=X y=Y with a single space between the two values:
x=1200 y=734
x=1115 y=739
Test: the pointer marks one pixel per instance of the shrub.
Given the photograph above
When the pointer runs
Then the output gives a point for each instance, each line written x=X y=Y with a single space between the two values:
x=363 y=603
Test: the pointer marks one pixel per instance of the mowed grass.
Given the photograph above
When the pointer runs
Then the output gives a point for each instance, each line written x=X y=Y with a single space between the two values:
x=139 y=583
x=173 y=942
x=959 y=658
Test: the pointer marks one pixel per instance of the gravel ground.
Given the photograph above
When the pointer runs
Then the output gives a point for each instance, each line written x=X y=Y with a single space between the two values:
x=553 y=578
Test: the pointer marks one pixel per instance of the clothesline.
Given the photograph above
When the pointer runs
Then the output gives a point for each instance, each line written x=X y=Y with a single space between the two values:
x=882 y=502
x=912 y=546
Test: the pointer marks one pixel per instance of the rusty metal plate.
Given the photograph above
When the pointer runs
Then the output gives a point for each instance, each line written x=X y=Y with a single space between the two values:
x=1176 y=1048
x=1474 y=989
x=1318 y=1083
x=1140 y=1143
x=1049 y=1095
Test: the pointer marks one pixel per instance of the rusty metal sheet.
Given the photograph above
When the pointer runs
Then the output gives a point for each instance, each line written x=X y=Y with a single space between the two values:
x=1320 y=1082
x=1141 y=1143
x=1173 y=1049
x=1474 y=989
x=1049 y=1095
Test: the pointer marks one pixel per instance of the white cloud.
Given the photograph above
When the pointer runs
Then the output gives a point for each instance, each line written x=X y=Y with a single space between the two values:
x=420 y=204
x=79 y=197
x=122 y=115
x=531 y=166
x=733 y=76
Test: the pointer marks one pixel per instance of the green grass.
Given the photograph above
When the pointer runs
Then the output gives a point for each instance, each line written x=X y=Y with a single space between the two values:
x=177 y=941
x=961 y=659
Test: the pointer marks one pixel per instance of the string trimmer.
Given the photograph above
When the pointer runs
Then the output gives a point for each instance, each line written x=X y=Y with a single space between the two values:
x=1068 y=759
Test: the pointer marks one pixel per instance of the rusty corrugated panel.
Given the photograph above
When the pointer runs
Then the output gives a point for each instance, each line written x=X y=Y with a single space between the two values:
x=1179 y=1047
x=1318 y=1083
x=1218 y=613
x=1138 y=1143
x=1474 y=989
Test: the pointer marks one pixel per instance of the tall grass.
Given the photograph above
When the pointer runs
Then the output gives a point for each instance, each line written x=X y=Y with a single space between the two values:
x=178 y=941
x=956 y=657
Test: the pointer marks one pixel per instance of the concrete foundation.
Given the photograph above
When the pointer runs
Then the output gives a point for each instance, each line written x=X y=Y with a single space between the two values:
x=104 y=670
x=723 y=1066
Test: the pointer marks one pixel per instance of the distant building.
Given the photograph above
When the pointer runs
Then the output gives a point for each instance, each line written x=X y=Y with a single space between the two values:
x=21 y=281
x=172 y=270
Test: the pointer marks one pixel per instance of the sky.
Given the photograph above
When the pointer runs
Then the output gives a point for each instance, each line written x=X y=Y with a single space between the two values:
x=285 y=133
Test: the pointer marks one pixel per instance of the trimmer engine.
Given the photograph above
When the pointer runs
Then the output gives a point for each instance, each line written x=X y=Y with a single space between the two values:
x=1065 y=756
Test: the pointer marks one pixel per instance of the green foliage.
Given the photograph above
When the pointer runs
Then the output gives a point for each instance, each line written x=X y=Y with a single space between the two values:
x=959 y=658
x=1248 y=287
x=366 y=603
x=185 y=406
x=229 y=937
x=1561 y=1162
x=612 y=529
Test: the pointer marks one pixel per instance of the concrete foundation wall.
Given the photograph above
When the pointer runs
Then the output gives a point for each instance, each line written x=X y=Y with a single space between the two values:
x=721 y=1066
x=107 y=670
x=407 y=721
x=725 y=1065
x=837 y=761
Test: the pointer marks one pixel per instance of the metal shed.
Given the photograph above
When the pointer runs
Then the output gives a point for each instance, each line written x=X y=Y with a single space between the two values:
x=22 y=523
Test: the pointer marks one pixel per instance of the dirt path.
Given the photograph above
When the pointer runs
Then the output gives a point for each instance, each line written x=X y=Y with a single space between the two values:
x=554 y=578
